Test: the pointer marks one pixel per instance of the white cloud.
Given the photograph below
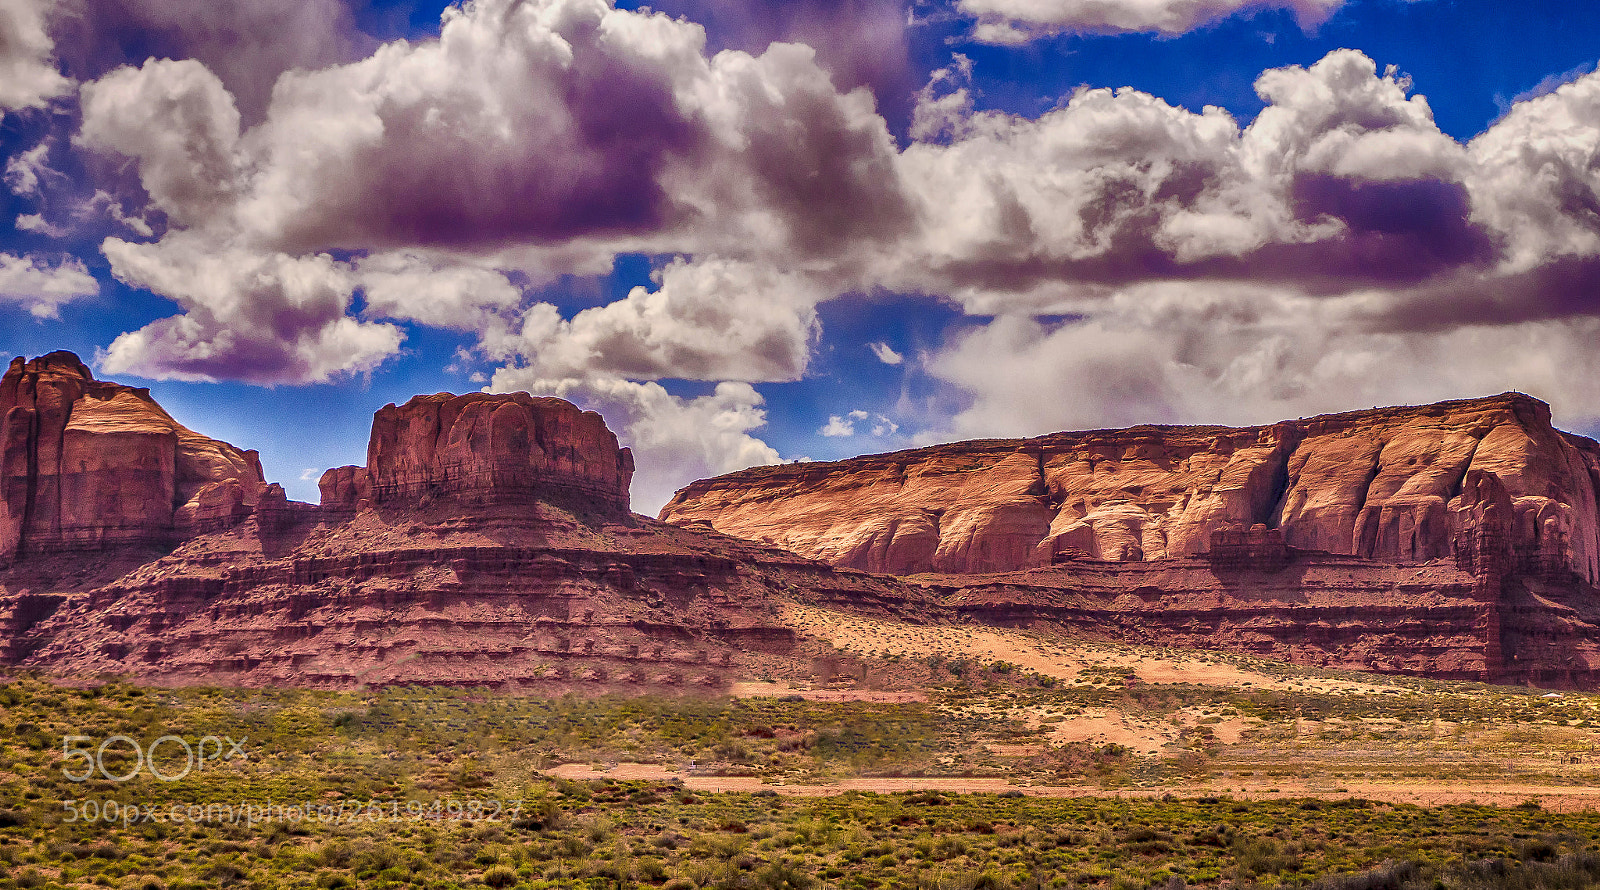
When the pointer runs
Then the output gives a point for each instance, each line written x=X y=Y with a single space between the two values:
x=24 y=170
x=1537 y=175
x=413 y=286
x=674 y=440
x=841 y=426
x=265 y=318
x=886 y=353
x=540 y=139
x=42 y=288
x=707 y=320
x=180 y=123
x=1018 y=21
x=844 y=425
x=1202 y=354
x=33 y=222
x=1339 y=117
x=945 y=103
x=28 y=74
x=1119 y=187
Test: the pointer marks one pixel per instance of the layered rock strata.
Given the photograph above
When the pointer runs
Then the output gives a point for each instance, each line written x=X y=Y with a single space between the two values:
x=506 y=596
x=1387 y=484
x=1315 y=609
x=88 y=465
x=481 y=448
x=488 y=541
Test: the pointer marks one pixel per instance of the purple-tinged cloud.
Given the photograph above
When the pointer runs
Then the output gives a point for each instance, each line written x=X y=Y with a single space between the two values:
x=246 y=44
x=861 y=43
x=261 y=318
x=29 y=76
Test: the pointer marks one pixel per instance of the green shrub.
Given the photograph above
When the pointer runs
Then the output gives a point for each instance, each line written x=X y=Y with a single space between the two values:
x=500 y=876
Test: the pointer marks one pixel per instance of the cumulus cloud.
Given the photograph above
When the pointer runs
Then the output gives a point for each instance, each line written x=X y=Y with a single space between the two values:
x=841 y=426
x=1203 y=354
x=180 y=123
x=674 y=440
x=41 y=287
x=29 y=77
x=1338 y=252
x=707 y=320
x=1343 y=181
x=246 y=44
x=860 y=42
x=547 y=123
x=1537 y=175
x=416 y=287
x=262 y=318
x=540 y=139
x=1019 y=21
x=886 y=354
x=451 y=177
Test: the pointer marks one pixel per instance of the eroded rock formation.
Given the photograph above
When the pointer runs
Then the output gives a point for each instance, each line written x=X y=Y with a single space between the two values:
x=483 y=448
x=1388 y=484
x=86 y=465
x=488 y=541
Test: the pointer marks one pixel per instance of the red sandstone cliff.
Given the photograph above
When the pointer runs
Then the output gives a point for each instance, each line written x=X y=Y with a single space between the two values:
x=488 y=541
x=87 y=465
x=483 y=448
x=1386 y=484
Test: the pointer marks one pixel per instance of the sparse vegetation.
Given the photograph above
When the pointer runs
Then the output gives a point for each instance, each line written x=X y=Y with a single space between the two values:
x=1233 y=785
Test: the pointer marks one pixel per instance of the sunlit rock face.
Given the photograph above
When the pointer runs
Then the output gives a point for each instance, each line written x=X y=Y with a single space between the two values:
x=1388 y=484
x=485 y=448
x=87 y=464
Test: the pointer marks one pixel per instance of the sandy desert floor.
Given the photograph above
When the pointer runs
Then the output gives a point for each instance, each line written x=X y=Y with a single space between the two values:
x=1385 y=739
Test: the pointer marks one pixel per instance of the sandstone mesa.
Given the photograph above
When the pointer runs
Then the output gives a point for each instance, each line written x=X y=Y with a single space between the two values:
x=1393 y=485
x=488 y=540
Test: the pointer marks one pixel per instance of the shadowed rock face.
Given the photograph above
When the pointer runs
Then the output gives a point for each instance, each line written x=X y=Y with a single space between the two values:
x=1386 y=484
x=86 y=465
x=484 y=448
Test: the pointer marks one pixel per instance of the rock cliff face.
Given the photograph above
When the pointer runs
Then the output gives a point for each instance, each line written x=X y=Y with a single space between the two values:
x=504 y=596
x=1388 y=484
x=487 y=542
x=481 y=448
x=87 y=465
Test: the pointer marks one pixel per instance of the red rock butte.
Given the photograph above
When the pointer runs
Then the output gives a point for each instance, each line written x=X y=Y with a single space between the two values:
x=481 y=448
x=488 y=541
x=87 y=465
x=1394 y=485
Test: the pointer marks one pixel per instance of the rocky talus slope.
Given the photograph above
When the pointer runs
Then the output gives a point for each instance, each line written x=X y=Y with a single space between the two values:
x=1387 y=485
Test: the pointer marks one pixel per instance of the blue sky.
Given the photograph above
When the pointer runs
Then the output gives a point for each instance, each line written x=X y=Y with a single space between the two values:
x=751 y=232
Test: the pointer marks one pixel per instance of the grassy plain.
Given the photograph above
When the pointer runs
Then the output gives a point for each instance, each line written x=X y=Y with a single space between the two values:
x=1042 y=764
